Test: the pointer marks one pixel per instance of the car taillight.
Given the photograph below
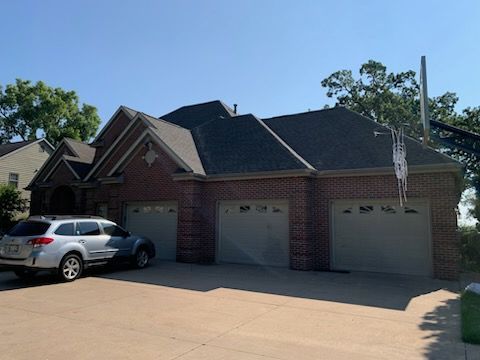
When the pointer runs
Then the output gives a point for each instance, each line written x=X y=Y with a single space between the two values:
x=40 y=241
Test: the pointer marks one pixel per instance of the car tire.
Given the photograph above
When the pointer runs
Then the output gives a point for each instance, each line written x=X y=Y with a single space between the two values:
x=141 y=258
x=25 y=273
x=70 y=268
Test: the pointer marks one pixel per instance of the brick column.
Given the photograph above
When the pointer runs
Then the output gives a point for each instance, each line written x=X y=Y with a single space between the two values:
x=189 y=232
x=301 y=225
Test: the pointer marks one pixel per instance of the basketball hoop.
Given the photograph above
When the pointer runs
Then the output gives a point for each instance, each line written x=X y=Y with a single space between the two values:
x=400 y=165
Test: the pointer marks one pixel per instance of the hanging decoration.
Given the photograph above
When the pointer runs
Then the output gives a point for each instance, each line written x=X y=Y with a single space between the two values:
x=400 y=165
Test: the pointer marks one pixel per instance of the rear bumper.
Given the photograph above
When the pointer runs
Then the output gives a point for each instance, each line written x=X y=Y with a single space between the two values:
x=38 y=260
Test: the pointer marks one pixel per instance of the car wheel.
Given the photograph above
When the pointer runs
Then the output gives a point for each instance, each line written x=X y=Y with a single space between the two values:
x=25 y=274
x=70 y=268
x=141 y=258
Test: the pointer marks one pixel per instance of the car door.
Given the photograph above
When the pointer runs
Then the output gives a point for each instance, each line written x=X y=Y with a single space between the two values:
x=94 y=241
x=118 y=239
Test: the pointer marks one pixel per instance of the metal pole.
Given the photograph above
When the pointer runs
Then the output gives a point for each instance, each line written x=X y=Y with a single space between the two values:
x=424 y=102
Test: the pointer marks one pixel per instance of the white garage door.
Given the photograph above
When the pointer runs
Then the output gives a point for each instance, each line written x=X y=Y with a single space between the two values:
x=381 y=236
x=254 y=232
x=158 y=222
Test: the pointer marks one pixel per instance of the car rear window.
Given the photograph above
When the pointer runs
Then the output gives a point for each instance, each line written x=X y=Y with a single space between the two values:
x=88 y=228
x=29 y=228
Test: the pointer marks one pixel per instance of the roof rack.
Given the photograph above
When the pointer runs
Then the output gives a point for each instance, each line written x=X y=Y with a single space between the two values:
x=63 y=217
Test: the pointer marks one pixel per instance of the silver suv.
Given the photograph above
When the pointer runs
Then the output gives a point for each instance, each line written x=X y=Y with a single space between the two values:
x=68 y=244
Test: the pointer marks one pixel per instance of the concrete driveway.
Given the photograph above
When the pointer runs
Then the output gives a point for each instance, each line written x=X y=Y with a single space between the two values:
x=181 y=311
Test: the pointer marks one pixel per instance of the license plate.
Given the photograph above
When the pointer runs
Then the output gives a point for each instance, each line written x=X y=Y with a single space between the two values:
x=13 y=249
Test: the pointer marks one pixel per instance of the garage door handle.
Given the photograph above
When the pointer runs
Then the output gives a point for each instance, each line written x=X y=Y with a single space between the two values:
x=82 y=241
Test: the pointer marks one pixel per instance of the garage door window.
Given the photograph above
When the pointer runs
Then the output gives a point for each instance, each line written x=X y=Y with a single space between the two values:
x=366 y=209
x=347 y=210
x=388 y=209
x=410 y=210
x=244 y=209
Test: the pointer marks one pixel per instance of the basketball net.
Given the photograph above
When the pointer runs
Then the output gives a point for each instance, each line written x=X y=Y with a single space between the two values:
x=399 y=151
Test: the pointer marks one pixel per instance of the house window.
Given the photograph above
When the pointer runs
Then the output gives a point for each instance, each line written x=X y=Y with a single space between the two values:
x=13 y=179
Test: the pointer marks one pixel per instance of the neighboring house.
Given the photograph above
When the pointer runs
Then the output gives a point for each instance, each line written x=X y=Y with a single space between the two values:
x=20 y=161
x=309 y=191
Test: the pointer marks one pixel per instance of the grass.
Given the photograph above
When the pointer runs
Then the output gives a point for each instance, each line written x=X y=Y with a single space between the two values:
x=470 y=317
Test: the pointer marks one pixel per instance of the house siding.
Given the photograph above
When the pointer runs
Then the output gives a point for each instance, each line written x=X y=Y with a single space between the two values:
x=25 y=162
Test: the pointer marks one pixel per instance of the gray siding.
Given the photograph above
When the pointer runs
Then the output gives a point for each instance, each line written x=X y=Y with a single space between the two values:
x=25 y=162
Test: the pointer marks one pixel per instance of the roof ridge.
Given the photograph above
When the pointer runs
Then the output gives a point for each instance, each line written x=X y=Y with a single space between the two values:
x=20 y=141
x=77 y=141
x=284 y=144
x=163 y=120
x=308 y=112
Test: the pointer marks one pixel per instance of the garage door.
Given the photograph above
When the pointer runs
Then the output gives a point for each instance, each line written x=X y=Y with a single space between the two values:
x=254 y=232
x=158 y=222
x=382 y=237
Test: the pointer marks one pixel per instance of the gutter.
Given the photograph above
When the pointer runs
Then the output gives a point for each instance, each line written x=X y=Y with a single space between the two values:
x=414 y=169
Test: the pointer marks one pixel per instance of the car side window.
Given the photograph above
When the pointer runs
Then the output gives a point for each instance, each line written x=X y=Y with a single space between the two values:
x=88 y=228
x=113 y=230
x=67 y=229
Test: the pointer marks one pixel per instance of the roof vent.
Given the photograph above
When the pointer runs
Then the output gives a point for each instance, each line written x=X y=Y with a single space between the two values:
x=235 y=108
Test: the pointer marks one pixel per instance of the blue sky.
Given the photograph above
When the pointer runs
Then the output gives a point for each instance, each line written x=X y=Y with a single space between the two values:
x=267 y=56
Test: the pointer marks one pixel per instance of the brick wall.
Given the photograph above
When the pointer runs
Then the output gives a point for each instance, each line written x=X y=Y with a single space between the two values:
x=439 y=188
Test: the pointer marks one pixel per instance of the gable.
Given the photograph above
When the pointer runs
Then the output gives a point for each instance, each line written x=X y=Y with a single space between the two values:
x=62 y=173
x=112 y=130
x=148 y=140
x=120 y=149
x=52 y=161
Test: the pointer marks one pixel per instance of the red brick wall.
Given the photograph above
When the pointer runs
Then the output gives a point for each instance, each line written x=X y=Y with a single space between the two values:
x=297 y=191
x=141 y=183
x=110 y=135
x=438 y=188
x=121 y=149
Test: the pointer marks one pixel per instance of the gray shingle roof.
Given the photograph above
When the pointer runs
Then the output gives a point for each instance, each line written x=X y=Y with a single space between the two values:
x=179 y=140
x=340 y=139
x=84 y=152
x=240 y=145
x=192 y=116
x=8 y=148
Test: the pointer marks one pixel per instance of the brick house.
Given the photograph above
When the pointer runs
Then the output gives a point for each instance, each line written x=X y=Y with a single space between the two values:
x=309 y=191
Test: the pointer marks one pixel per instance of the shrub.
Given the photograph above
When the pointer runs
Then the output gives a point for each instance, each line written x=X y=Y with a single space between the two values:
x=470 y=248
x=11 y=205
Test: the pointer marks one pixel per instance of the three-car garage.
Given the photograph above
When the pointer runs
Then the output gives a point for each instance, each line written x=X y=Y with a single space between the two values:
x=370 y=235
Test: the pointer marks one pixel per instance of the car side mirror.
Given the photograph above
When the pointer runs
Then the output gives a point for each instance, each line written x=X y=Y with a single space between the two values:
x=127 y=234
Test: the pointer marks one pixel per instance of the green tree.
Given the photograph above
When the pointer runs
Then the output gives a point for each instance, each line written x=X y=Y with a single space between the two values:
x=11 y=205
x=394 y=99
x=33 y=110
